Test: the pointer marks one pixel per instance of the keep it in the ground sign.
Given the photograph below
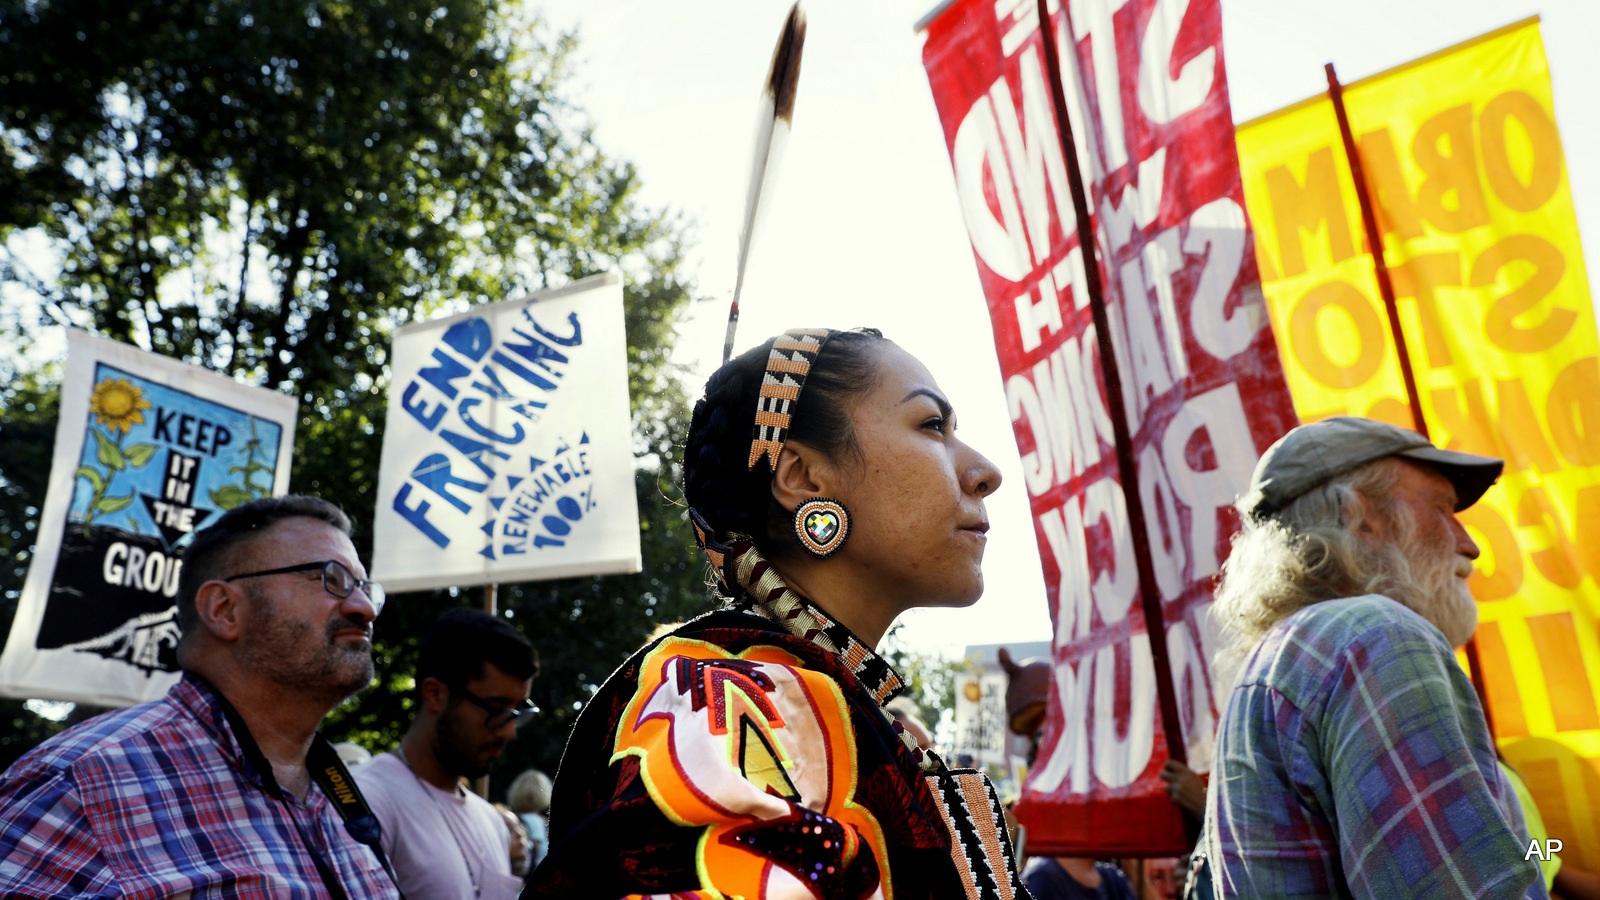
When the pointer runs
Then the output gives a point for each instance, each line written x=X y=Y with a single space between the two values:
x=147 y=451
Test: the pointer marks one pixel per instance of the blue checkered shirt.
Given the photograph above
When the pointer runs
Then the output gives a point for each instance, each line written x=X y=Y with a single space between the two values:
x=158 y=800
x=1353 y=761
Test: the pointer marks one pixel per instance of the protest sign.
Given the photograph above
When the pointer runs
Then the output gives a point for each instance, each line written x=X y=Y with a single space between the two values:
x=980 y=717
x=1201 y=379
x=147 y=450
x=983 y=736
x=508 y=453
x=1466 y=171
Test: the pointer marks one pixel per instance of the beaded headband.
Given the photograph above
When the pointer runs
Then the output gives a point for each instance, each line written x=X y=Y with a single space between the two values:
x=788 y=363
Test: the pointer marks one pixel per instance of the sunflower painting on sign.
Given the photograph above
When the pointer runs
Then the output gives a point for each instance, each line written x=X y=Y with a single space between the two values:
x=147 y=451
x=117 y=405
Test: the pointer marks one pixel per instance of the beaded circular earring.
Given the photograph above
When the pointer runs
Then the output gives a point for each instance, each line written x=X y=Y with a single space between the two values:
x=821 y=525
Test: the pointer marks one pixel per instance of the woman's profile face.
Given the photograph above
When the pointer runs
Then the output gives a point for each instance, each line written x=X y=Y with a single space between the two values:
x=916 y=494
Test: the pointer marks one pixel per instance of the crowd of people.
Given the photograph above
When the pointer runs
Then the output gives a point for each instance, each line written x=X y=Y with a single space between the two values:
x=760 y=750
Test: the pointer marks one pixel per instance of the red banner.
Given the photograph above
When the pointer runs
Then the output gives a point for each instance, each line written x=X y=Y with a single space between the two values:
x=1201 y=379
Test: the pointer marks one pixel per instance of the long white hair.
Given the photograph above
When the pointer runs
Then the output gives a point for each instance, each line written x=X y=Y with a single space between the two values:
x=1311 y=551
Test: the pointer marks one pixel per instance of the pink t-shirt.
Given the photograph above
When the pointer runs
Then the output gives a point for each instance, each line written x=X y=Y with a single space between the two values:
x=443 y=845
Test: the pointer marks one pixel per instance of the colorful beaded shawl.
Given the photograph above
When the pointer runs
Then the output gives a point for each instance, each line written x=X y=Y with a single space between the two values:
x=731 y=758
x=745 y=754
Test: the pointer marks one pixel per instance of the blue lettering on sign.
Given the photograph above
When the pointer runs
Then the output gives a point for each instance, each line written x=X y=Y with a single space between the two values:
x=523 y=372
x=517 y=434
x=418 y=516
x=537 y=352
x=447 y=397
x=471 y=338
x=474 y=451
x=434 y=474
x=571 y=340
x=444 y=375
x=191 y=432
x=544 y=510
x=491 y=385
x=419 y=409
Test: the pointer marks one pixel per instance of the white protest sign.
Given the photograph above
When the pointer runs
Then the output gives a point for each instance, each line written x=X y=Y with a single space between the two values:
x=508 y=450
x=981 y=717
x=148 y=450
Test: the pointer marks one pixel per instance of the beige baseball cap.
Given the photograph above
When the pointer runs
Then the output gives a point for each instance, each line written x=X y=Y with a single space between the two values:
x=1313 y=454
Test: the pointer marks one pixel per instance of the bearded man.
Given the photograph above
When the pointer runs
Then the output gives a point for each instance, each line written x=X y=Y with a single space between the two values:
x=1352 y=758
x=474 y=671
x=223 y=788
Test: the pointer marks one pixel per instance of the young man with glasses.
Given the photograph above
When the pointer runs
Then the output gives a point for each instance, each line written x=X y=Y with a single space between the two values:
x=223 y=788
x=473 y=677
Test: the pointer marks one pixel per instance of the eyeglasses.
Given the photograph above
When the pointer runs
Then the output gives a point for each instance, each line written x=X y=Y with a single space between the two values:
x=498 y=715
x=337 y=579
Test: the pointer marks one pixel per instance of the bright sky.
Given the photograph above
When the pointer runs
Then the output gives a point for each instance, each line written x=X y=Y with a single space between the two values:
x=864 y=228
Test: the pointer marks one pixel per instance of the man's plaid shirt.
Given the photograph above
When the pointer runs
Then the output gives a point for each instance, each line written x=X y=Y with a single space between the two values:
x=1353 y=761
x=158 y=800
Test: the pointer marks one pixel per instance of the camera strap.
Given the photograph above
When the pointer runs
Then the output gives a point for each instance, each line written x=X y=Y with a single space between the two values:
x=330 y=774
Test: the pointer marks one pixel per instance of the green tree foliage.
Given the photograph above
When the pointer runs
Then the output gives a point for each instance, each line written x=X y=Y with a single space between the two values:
x=27 y=433
x=268 y=188
x=930 y=681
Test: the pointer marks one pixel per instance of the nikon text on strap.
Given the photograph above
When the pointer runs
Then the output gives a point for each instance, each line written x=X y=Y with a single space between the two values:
x=330 y=774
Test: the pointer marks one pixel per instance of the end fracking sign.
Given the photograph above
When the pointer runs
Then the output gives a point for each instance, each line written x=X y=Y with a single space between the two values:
x=508 y=450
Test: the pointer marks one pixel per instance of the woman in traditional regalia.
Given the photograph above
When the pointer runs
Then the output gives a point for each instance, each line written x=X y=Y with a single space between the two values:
x=746 y=753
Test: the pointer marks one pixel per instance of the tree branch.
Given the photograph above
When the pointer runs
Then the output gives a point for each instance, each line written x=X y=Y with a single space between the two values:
x=138 y=235
x=233 y=321
x=295 y=244
x=13 y=269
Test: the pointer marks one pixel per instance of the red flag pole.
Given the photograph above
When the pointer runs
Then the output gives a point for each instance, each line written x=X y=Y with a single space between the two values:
x=1369 y=222
x=1149 y=596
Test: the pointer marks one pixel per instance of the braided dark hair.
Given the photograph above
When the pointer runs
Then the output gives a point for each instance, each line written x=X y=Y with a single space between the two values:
x=717 y=479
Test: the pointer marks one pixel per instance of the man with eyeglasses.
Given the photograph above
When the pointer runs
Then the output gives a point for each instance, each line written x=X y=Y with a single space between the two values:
x=223 y=788
x=474 y=672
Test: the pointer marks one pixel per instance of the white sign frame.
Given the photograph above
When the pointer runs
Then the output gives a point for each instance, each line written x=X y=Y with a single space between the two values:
x=66 y=673
x=507 y=424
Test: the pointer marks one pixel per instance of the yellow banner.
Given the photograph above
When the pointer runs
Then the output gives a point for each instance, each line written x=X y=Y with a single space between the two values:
x=1466 y=171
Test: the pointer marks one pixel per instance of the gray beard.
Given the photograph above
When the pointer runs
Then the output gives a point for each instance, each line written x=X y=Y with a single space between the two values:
x=1438 y=594
x=277 y=650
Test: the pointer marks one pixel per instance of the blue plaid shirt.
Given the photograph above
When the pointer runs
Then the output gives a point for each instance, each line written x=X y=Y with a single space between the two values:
x=1353 y=761
x=157 y=800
